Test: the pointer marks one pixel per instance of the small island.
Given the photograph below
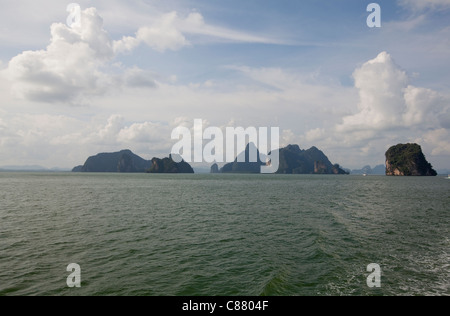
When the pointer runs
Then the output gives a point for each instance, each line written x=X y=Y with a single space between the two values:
x=125 y=161
x=168 y=165
x=408 y=160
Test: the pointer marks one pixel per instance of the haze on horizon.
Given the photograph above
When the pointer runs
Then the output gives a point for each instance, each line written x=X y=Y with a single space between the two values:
x=133 y=71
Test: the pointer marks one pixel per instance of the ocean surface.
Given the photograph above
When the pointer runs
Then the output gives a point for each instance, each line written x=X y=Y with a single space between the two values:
x=250 y=235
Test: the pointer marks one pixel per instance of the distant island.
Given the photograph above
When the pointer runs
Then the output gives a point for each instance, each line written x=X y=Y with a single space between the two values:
x=247 y=166
x=379 y=170
x=407 y=160
x=126 y=161
x=167 y=165
x=293 y=160
x=401 y=160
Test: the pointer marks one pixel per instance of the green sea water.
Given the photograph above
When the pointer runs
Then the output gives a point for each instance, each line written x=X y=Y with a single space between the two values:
x=165 y=235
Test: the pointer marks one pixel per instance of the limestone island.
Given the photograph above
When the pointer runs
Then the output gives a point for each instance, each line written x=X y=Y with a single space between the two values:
x=408 y=160
x=126 y=161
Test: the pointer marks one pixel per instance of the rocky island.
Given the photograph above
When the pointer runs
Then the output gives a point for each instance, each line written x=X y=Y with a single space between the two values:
x=247 y=166
x=408 y=160
x=215 y=168
x=167 y=165
x=293 y=160
x=126 y=161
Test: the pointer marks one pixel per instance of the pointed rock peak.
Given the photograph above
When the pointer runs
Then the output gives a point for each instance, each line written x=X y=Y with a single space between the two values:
x=294 y=148
x=251 y=146
x=126 y=151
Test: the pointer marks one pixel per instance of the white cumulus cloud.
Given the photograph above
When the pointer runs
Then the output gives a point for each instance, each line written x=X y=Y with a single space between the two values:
x=162 y=35
x=388 y=101
x=69 y=68
x=79 y=63
x=389 y=111
x=437 y=141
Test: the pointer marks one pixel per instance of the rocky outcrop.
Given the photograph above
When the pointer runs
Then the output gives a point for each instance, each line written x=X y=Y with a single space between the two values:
x=407 y=160
x=294 y=160
x=215 y=168
x=126 y=161
x=168 y=165
x=123 y=161
x=246 y=166
x=320 y=167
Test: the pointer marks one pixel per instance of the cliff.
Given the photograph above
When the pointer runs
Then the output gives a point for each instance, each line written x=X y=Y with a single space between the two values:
x=126 y=161
x=407 y=160
x=167 y=165
x=294 y=160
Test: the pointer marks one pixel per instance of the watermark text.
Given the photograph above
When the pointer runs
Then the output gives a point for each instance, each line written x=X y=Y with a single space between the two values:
x=74 y=279
x=224 y=148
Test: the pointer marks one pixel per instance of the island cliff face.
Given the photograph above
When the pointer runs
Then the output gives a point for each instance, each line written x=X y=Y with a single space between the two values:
x=407 y=160
x=167 y=165
x=294 y=160
x=126 y=161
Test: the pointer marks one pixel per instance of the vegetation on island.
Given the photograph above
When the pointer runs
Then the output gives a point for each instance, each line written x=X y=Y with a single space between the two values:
x=408 y=160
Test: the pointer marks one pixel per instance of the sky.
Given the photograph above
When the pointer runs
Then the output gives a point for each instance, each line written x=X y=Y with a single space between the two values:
x=132 y=71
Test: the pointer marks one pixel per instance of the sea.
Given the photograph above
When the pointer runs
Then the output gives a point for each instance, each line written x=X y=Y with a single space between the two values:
x=223 y=235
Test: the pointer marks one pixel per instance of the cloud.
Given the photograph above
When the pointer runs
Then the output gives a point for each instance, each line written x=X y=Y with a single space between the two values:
x=77 y=65
x=3 y=127
x=32 y=138
x=315 y=134
x=108 y=133
x=390 y=110
x=139 y=78
x=148 y=134
x=149 y=137
x=437 y=140
x=424 y=107
x=64 y=141
x=168 y=32
x=420 y=5
x=70 y=68
x=118 y=133
x=388 y=101
x=162 y=35
x=195 y=24
x=380 y=84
